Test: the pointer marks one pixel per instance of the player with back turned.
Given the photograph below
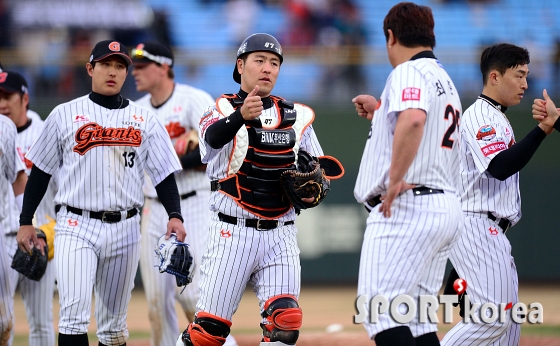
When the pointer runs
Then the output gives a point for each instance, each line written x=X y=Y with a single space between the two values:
x=100 y=144
x=179 y=107
x=406 y=177
x=488 y=184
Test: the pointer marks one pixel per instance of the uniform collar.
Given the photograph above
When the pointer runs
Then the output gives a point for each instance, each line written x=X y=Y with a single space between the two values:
x=110 y=102
x=267 y=101
x=424 y=54
x=493 y=102
x=24 y=127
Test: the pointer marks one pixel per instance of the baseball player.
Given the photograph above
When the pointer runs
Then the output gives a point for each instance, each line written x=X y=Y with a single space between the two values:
x=180 y=108
x=406 y=176
x=100 y=144
x=13 y=172
x=489 y=189
x=248 y=139
x=37 y=295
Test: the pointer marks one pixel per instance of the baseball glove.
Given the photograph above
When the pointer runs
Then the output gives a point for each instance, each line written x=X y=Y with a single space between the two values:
x=33 y=264
x=48 y=229
x=311 y=179
x=175 y=258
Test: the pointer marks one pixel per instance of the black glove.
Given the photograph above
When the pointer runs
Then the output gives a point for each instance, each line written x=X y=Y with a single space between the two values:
x=34 y=264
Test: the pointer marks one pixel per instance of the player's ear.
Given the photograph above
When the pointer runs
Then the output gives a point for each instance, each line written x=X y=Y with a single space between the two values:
x=89 y=68
x=240 y=66
x=25 y=99
x=493 y=77
x=391 y=40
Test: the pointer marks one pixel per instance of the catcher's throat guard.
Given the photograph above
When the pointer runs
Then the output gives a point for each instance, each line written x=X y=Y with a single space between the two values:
x=310 y=180
x=175 y=258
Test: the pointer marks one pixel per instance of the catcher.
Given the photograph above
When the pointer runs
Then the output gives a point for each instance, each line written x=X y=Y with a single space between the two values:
x=265 y=164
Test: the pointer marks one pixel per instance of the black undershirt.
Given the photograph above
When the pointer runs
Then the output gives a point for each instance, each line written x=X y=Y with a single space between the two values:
x=223 y=131
x=110 y=102
x=512 y=160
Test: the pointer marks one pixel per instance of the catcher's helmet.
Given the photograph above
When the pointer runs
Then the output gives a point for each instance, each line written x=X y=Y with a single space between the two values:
x=256 y=43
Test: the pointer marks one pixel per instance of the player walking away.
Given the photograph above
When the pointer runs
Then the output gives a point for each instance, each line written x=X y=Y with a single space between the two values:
x=179 y=107
x=489 y=189
x=406 y=176
x=13 y=172
x=101 y=144
x=248 y=139
x=37 y=295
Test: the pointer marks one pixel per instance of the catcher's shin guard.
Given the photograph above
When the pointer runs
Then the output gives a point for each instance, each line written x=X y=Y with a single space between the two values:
x=206 y=330
x=283 y=320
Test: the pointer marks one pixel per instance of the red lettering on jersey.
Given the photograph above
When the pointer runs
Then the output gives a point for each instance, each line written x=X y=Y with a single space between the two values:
x=175 y=129
x=493 y=148
x=493 y=231
x=208 y=123
x=138 y=118
x=378 y=105
x=115 y=46
x=3 y=77
x=225 y=234
x=81 y=118
x=512 y=142
x=411 y=94
x=21 y=154
x=93 y=135
x=72 y=223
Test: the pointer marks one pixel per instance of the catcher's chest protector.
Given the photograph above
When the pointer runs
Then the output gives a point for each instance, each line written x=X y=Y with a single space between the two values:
x=270 y=150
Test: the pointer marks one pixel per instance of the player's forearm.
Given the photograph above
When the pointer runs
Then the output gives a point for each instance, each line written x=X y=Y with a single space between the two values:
x=222 y=131
x=513 y=159
x=19 y=185
x=169 y=196
x=406 y=141
x=35 y=189
x=192 y=159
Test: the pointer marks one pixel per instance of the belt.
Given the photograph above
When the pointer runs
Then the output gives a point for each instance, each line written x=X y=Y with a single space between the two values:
x=504 y=223
x=255 y=223
x=214 y=185
x=105 y=216
x=11 y=234
x=417 y=191
x=184 y=196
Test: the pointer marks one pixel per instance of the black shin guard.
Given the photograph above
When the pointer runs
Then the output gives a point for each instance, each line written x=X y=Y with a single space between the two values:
x=429 y=339
x=73 y=340
x=398 y=336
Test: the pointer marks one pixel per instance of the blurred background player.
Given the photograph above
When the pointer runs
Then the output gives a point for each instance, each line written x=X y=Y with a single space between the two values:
x=37 y=295
x=180 y=108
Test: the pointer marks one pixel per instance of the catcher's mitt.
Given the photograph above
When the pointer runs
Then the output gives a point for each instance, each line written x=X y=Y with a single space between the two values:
x=175 y=258
x=34 y=264
x=311 y=179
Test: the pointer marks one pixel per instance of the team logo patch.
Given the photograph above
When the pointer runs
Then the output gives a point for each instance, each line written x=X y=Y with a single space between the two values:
x=81 y=118
x=177 y=109
x=115 y=46
x=493 y=148
x=72 y=223
x=93 y=135
x=378 y=105
x=175 y=129
x=486 y=133
x=138 y=118
x=411 y=94
x=493 y=231
x=3 y=77
x=225 y=234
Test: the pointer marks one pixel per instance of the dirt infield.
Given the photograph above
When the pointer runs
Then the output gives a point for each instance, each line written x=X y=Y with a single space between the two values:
x=328 y=319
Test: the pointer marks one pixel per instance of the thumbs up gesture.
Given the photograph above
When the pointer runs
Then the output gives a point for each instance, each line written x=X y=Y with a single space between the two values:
x=545 y=111
x=253 y=106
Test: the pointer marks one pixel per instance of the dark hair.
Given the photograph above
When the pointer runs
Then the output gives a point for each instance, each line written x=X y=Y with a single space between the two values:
x=500 y=57
x=120 y=57
x=412 y=25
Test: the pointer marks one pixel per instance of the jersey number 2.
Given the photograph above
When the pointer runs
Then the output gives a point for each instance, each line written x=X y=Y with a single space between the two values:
x=454 y=114
x=128 y=159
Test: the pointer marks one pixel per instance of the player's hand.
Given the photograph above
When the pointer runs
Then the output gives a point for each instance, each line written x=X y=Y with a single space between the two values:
x=252 y=106
x=176 y=226
x=365 y=105
x=27 y=239
x=392 y=192
x=186 y=142
x=545 y=111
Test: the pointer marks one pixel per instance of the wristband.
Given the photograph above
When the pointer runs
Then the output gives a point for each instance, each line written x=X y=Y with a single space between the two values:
x=176 y=215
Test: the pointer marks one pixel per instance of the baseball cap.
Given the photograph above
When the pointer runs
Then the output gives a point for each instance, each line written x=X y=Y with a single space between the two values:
x=13 y=82
x=106 y=48
x=255 y=43
x=148 y=52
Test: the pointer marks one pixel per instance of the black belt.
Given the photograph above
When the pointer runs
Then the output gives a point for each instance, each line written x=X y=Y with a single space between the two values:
x=105 y=216
x=214 y=185
x=504 y=224
x=184 y=196
x=417 y=191
x=255 y=223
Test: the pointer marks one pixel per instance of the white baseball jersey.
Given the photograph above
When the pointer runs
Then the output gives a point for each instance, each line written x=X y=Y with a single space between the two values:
x=407 y=253
x=103 y=153
x=220 y=161
x=422 y=84
x=485 y=132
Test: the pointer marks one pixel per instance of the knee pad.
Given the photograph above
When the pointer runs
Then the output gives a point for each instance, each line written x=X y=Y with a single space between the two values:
x=206 y=330
x=283 y=319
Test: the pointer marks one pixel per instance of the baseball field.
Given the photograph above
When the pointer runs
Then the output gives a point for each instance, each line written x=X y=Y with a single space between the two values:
x=327 y=318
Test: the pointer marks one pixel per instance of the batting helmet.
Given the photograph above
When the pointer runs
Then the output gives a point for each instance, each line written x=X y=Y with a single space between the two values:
x=257 y=43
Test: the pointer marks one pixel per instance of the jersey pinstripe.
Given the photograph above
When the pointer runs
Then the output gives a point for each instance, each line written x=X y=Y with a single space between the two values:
x=218 y=161
x=12 y=161
x=141 y=144
x=423 y=84
x=485 y=132
x=181 y=113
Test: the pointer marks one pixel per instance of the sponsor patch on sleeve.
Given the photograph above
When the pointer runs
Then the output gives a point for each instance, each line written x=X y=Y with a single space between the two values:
x=493 y=148
x=411 y=94
x=486 y=133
